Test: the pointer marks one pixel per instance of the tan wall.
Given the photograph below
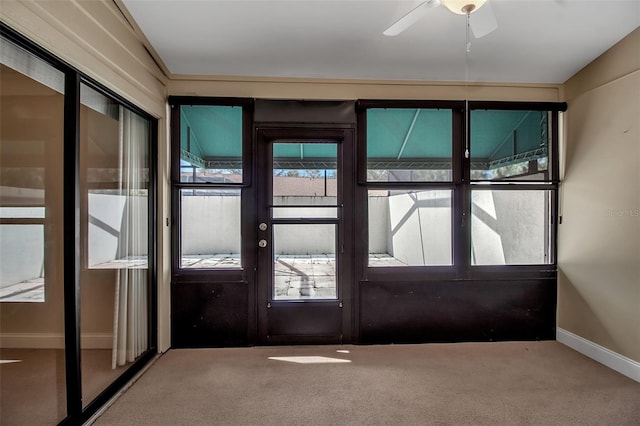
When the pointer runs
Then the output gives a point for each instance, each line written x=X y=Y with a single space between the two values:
x=288 y=88
x=599 y=240
x=94 y=37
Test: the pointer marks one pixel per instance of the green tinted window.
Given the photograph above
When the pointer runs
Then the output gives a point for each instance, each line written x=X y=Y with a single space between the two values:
x=211 y=144
x=409 y=145
x=509 y=144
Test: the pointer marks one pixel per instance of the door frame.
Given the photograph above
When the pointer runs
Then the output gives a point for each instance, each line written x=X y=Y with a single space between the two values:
x=344 y=137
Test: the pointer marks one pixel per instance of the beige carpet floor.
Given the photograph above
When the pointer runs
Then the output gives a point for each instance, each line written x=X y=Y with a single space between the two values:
x=511 y=383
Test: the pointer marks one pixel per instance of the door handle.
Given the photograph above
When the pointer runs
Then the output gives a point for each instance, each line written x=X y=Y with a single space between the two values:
x=262 y=243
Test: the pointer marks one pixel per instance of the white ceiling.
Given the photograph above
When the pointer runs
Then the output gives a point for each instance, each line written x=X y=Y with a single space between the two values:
x=537 y=41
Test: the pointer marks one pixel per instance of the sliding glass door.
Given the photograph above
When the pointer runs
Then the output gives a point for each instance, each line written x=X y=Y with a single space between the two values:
x=77 y=239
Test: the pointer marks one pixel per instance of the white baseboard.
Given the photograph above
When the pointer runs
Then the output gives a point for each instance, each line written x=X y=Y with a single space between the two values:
x=53 y=340
x=611 y=359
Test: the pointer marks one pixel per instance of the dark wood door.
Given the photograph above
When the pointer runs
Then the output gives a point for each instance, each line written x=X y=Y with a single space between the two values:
x=303 y=278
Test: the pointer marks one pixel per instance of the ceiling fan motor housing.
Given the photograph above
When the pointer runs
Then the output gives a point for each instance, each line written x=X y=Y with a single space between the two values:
x=463 y=7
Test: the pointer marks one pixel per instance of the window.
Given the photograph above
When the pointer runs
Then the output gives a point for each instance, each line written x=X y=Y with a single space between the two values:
x=409 y=227
x=409 y=150
x=209 y=186
x=210 y=228
x=512 y=189
x=210 y=144
x=409 y=145
x=510 y=144
x=510 y=227
x=311 y=275
x=436 y=200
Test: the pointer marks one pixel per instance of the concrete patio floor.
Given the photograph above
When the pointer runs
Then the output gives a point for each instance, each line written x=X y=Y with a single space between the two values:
x=296 y=276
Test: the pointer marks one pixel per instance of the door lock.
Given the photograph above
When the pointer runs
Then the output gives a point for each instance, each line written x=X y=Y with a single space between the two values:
x=262 y=226
x=262 y=243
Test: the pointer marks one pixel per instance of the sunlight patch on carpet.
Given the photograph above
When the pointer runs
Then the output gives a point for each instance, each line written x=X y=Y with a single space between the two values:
x=309 y=359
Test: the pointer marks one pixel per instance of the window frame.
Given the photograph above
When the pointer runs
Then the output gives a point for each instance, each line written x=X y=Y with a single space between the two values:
x=551 y=183
x=461 y=187
x=549 y=222
x=457 y=123
x=419 y=183
x=231 y=274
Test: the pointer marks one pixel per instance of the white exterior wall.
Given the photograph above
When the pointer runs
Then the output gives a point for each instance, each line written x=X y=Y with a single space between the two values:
x=210 y=224
x=508 y=227
x=415 y=229
x=419 y=230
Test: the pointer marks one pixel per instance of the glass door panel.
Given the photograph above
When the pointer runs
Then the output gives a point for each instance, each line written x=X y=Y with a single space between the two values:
x=32 y=367
x=304 y=174
x=299 y=242
x=114 y=281
x=304 y=261
x=304 y=190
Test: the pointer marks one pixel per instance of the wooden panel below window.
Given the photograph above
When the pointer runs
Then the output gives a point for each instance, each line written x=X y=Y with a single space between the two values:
x=457 y=311
x=206 y=314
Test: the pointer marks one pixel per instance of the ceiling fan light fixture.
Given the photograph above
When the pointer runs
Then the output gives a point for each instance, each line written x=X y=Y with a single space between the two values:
x=463 y=7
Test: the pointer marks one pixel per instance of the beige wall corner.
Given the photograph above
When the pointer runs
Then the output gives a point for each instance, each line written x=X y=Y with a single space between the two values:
x=599 y=239
x=619 y=61
x=95 y=38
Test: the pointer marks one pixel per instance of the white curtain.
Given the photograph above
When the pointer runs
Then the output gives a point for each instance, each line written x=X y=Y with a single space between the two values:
x=130 y=325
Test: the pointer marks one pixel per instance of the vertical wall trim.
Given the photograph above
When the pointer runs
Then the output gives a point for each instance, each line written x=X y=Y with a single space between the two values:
x=71 y=242
x=611 y=359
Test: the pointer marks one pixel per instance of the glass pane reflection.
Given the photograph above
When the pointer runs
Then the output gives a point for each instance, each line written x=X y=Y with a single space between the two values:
x=32 y=366
x=114 y=233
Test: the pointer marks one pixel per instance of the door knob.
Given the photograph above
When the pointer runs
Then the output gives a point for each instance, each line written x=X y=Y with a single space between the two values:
x=262 y=243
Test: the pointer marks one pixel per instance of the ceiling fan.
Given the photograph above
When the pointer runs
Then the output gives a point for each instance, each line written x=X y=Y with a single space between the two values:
x=482 y=20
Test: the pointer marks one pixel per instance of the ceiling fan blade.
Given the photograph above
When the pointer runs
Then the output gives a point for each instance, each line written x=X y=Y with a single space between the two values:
x=483 y=21
x=411 y=18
